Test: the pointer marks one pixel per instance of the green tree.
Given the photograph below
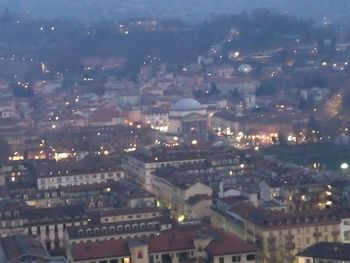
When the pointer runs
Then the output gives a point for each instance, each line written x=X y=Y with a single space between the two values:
x=266 y=88
x=214 y=89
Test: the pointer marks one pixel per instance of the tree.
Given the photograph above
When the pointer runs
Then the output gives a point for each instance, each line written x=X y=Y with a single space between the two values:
x=214 y=89
x=198 y=94
x=282 y=140
x=266 y=88
x=313 y=130
x=234 y=93
x=306 y=104
x=5 y=150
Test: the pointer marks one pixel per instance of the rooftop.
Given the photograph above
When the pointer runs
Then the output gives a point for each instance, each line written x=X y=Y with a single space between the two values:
x=327 y=250
x=187 y=105
x=177 y=239
x=18 y=246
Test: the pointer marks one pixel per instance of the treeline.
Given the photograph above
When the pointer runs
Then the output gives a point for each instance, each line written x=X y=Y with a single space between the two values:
x=62 y=44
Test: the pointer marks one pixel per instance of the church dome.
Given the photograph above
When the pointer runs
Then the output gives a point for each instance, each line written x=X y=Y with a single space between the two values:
x=186 y=105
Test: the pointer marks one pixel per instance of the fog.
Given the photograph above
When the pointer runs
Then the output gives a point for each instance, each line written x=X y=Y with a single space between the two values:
x=191 y=10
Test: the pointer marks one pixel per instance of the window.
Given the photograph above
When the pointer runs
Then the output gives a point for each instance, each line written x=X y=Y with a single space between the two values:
x=221 y=260
x=126 y=260
x=236 y=259
x=347 y=235
x=140 y=254
x=113 y=261
x=250 y=257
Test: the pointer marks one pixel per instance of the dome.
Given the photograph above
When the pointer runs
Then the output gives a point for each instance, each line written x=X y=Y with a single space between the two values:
x=187 y=105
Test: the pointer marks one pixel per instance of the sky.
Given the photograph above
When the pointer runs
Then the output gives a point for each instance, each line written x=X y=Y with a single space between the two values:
x=191 y=10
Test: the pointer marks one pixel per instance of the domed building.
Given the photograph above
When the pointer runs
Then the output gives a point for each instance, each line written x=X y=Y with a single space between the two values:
x=188 y=118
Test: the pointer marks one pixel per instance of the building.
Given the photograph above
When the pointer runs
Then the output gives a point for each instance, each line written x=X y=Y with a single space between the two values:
x=156 y=119
x=330 y=252
x=8 y=108
x=141 y=164
x=178 y=245
x=48 y=224
x=120 y=224
x=182 y=192
x=23 y=248
x=189 y=119
x=278 y=235
x=53 y=175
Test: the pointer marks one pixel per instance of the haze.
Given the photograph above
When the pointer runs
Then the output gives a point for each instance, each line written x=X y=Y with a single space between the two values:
x=191 y=10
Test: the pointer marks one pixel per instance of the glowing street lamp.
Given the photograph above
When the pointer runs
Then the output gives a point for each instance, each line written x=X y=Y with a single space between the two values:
x=344 y=166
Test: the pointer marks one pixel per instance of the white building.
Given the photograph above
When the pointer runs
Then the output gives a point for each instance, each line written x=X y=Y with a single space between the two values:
x=140 y=165
x=156 y=119
x=55 y=175
x=188 y=118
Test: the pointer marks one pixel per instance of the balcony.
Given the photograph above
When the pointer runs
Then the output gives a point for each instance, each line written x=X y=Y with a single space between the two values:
x=290 y=246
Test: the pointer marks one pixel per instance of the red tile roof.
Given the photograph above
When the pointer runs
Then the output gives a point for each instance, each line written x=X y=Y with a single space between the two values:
x=225 y=244
x=170 y=241
x=100 y=249
x=176 y=239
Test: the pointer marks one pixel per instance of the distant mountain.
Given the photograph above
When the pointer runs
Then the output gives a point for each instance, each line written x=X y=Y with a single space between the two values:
x=192 y=10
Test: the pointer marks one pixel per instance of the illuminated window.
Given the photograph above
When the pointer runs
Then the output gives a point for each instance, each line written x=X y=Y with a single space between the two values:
x=126 y=260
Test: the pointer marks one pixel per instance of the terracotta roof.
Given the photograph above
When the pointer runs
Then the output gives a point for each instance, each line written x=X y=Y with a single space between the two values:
x=100 y=249
x=176 y=239
x=170 y=241
x=224 y=244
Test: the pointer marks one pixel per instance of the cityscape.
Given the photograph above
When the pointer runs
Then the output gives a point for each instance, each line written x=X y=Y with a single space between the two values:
x=135 y=132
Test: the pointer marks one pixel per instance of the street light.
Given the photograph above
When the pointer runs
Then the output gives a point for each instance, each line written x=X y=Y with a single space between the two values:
x=344 y=166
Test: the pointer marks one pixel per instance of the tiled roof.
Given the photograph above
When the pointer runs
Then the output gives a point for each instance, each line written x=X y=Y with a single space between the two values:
x=100 y=249
x=278 y=219
x=327 y=250
x=224 y=244
x=177 y=239
x=18 y=246
x=88 y=165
